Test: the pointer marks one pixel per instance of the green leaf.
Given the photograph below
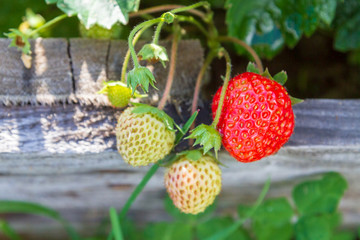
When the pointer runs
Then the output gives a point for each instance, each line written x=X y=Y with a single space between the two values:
x=343 y=236
x=140 y=76
x=37 y=209
x=144 y=108
x=267 y=25
x=168 y=231
x=8 y=231
x=207 y=136
x=19 y=40
x=252 y=68
x=233 y=227
x=270 y=231
x=271 y=220
x=281 y=77
x=208 y=228
x=153 y=53
x=295 y=100
x=320 y=196
x=104 y=13
x=276 y=210
x=185 y=128
x=312 y=227
x=346 y=23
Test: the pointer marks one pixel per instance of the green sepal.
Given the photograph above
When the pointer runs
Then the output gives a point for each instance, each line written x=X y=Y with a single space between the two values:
x=208 y=137
x=295 y=100
x=252 y=68
x=280 y=77
x=152 y=52
x=140 y=76
x=141 y=108
x=267 y=74
x=193 y=155
x=185 y=128
x=19 y=40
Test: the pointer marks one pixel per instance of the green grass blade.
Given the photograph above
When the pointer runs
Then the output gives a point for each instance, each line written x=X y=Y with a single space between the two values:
x=37 y=209
x=8 y=231
x=115 y=223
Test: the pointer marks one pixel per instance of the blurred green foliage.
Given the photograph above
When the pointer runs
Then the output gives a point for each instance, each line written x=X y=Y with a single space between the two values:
x=314 y=215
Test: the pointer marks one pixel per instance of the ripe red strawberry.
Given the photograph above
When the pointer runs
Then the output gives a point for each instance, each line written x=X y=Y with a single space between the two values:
x=142 y=138
x=193 y=185
x=257 y=118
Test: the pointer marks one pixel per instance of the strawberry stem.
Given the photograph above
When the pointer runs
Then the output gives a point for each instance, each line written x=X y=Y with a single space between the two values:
x=157 y=32
x=172 y=67
x=223 y=91
x=127 y=56
x=187 y=8
x=48 y=24
x=199 y=78
x=132 y=34
x=246 y=46
x=165 y=8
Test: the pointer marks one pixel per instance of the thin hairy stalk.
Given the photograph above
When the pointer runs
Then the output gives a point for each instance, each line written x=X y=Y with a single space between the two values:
x=127 y=56
x=246 y=46
x=163 y=8
x=48 y=24
x=157 y=32
x=224 y=88
x=187 y=8
x=132 y=34
x=172 y=67
x=191 y=20
x=199 y=78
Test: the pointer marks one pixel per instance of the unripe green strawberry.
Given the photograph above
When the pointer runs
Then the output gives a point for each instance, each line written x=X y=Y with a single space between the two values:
x=142 y=138
x=119 y=96
x=257 y=117
x=117 y=92
x=193 y=185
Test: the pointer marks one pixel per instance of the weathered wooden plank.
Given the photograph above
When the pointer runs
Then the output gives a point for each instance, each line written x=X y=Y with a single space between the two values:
x=74 y=71
x=49 y=79
x=89 y=64
x=72 y=165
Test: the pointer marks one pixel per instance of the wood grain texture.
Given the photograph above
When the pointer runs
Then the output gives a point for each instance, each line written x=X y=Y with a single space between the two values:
x=65 y=157
x=73 y=71
x=49 y=80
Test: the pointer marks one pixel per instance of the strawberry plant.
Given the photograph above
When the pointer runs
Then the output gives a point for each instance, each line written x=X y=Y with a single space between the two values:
x=252 y=114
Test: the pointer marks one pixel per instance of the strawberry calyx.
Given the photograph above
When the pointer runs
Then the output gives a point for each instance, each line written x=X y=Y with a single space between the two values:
x=207 y=137
x=169 y=123
x=19 y=40
x=280 y=77
x=153 y=53
x=140 y=76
